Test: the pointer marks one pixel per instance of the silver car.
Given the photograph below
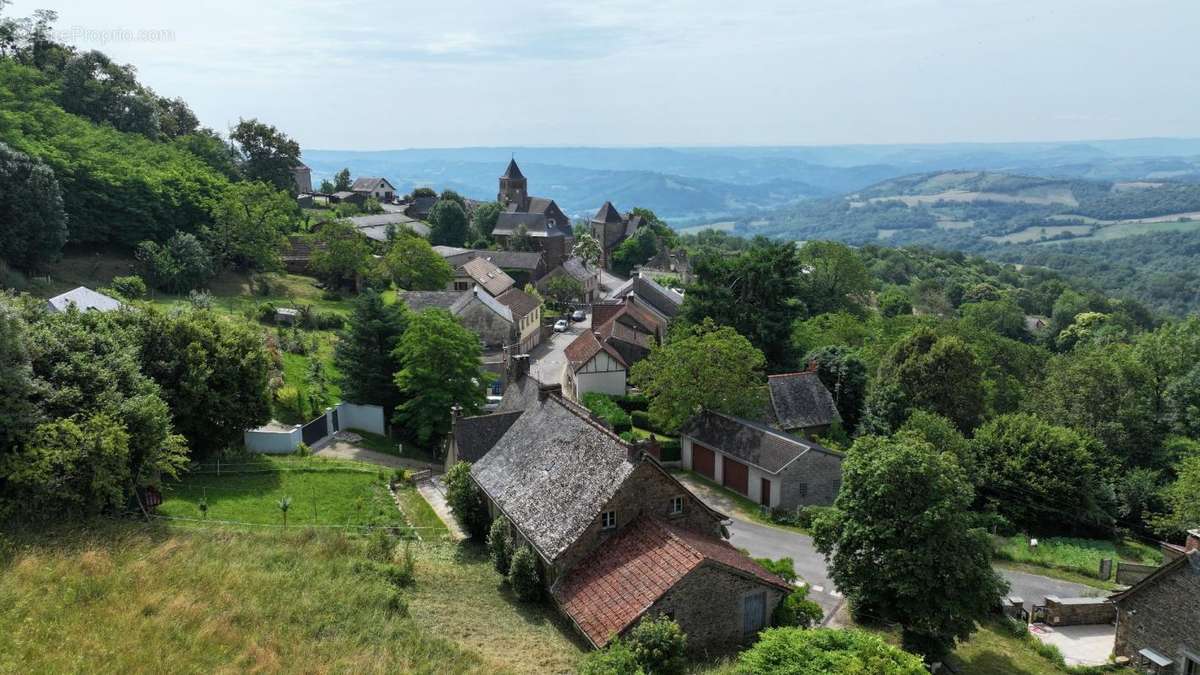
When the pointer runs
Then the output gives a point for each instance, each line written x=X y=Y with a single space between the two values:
x=560 y=326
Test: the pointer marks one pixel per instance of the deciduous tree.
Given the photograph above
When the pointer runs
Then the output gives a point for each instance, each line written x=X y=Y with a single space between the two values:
x=447 y=223
x=33 y=224
x=439 y=369
x=834 y=277
x=413 y=264
x=268 y=155
x=249 y=225
x=936 y=373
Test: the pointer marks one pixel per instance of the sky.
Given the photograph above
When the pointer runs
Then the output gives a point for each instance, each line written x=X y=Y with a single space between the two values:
x=386 y=75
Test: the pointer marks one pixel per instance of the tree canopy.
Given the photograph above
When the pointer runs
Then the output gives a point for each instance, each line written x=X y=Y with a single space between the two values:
x=413 y=265
x=439 y=369
x=33 y=222
x=366 y=351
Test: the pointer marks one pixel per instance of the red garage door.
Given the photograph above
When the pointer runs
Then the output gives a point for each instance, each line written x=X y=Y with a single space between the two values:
x=736 y=476
x=703 y=460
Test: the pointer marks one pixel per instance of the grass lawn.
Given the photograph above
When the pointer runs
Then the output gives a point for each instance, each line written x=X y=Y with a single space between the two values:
x=323 y=492
x=389 y=447
x=1078 y=556
x=112 y=596
x=298 y=400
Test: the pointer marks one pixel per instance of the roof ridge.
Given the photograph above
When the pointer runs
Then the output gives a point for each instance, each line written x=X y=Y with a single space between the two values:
x=586 y=415
x=670 y=532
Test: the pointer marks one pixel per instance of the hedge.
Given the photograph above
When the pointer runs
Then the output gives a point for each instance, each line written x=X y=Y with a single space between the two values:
x=670 y=451
x=605 y=408
x=642 y=420
x=632 y=402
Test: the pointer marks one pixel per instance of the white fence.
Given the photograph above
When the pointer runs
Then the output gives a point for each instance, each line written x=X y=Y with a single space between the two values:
x=276 y=441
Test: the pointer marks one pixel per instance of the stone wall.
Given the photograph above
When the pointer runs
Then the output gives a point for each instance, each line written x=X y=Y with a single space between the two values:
x=493 y=329
x=1079 y=611
x=707 y=605
x=1163 y=615
x=647 y=490
x=812 y=480
x=1129 y=574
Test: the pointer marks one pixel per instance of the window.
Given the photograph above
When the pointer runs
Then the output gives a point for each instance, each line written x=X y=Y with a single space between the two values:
x=462 y=285
x=676 y=505
x=802 y=490
x=608 y=520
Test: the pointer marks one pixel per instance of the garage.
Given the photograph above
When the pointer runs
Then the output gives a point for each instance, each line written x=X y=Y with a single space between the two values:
x=735 y=475
x=703 y=460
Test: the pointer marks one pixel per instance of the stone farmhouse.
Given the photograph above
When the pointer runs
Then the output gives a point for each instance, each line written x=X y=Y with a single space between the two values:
x=372 y=186
x=648 y=293
x=1158 y=619
x=577 y=269
x=510 y=321
x=538 y=217
x=525 y=267
x=772 y=468
x=801 y=404
x=616 y=536
x=611 y=229
x=481 y=272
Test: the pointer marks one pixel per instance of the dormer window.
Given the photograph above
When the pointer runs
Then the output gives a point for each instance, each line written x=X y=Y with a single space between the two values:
x=608 y=520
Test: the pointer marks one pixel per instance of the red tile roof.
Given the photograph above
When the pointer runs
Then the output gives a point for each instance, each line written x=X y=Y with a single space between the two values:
x=583 y=348
x=607 y=593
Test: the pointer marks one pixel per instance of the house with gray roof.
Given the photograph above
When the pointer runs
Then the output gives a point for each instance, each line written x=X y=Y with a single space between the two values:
x=524 y=267
x=575 y=268
x=481 y=272
x=1158 y=618
x=611 y=229
x=421 y=300
x=800 y=404
x=488 y=318
x=374 y=186
x=83 y=299
x=664 y=302
x=617 y=536
x=539 y=218
x=769 y=466
x=379 y=226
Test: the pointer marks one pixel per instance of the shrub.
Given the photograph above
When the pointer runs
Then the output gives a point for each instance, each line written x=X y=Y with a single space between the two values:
x=659 y=645
x=466 y=502
x=499 y=545
x=179 y=265
x=602 y=406
x=200 y=299
x=131 y=287
x=615 y=659
x=302 y=450
x=797 y=610
x=399 y=576
x=523 y=575
x=670 y=450
x=381 y=545
x=396 y=604
x=632 y=402
x=793 y=651
x=627 y=436
x=803 y=516
x=785 y=568
x=266 y=312
x=643 y=420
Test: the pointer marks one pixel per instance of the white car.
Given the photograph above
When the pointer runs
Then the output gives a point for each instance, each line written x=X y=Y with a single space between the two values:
x=560 y=326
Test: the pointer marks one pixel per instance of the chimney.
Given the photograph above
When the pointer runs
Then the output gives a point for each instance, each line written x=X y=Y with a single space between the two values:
x=518 y=367
x=455 y=411
x=1193 y=540
x=545 y=390
x=637 y=448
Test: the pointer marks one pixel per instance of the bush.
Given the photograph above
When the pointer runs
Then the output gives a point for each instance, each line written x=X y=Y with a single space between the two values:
x=266 y=312
x=643 y=420
x=615 y=659
x=627 y=436
x=659 y=645
x=670 y=450
x=802 y=516
x=523 y=575
x=396 y=604
x=784 y=568
x=200 y=299
x=381 y=545
x=602 y=406
x=466 y=502
x=131 y=287
x=632 y=402
x=302 y=450
x=180 y=265
x=796 y=610
x=499 y=545
x=794 y=651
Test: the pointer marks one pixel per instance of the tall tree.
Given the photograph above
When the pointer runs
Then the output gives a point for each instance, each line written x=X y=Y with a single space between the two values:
x=366 y=352
x=844 y=374
x=33 y=223
x=249 y=224
x=484 y=219
x=587 y=249
x=937 y=581
x=212 y=372
x=1183 y=509
x=413 y=264
x=340 y=253
x=755 y=293
x=17 y=412
x=447 y=223
x=268 y=155
x=936 y=373
x=341 y=181
x=439 y=362
x=702 y=366
x=834 y=277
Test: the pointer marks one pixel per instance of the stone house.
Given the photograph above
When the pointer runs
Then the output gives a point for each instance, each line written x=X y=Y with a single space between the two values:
x=800 y=404
x=773 y=468
x=302 y=179
x=1158 y=619
x=593 y=365
x=616 y=535
x=627 y=311
x=611 y=229
x=525 y=267
x=669 y=268
x=663 y=302
x=480 y=272
x=482 y=314
x=538 y=217
x=575 y=268
x=372 y=186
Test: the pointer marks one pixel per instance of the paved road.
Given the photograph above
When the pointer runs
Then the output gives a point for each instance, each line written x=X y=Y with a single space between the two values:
x=547 y=359
x=609 y=282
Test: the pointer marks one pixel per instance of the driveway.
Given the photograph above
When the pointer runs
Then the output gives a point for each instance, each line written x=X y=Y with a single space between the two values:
x=547 y=359
x=765 y=541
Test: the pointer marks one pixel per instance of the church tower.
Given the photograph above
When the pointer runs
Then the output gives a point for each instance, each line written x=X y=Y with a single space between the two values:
x=514 y=187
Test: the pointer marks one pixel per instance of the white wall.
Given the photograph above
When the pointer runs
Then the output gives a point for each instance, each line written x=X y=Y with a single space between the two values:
x=754 y=478
x=362 y=416
x=272 y=442
x=612 y=382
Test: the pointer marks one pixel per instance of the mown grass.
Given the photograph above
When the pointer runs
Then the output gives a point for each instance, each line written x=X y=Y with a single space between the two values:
x=248 y=490
x=389 y=446
x=1081 y=556
x=111 y=596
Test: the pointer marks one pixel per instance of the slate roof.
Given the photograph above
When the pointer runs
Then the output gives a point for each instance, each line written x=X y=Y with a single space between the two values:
x=419 y=300
x=583 y=348
x=514 y=260
x=488 y=301
x=535 y=223
x=607 y=214
x=610 y=591
x=640 y=316
x=519 y=394
x=493 y=279
x=575 y=267
x=513 y=171
x=370 y=183
x=613 y=329
x=376 y=226
x=518 y=302
x=751 y=442
x=552 y=472
x=84 y=299
x=664 y=300
x=475 y=436
x=800 y=400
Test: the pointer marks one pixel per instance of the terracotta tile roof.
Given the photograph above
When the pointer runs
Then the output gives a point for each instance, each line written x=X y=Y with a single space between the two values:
x=583 y=348
x=609 y=592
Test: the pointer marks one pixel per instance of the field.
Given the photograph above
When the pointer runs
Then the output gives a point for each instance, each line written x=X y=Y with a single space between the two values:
x=1132 y=228
x=1075 y=555
x=129 y=597
x=1040 y=198
x=1030 y=234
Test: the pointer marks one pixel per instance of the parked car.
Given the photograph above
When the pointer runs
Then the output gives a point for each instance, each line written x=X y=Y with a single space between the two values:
x=579 y=315
x=560 y=326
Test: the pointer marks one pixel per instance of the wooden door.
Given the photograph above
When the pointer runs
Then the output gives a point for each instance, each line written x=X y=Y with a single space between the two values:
x=703 y=460
x=735 y=476
x=754 y=612
x=765 y=492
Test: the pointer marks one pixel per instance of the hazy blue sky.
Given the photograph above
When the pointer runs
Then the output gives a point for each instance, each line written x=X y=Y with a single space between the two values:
x=362 y=75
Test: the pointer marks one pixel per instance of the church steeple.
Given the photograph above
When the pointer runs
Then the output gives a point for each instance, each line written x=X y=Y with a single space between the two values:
x=513 y=186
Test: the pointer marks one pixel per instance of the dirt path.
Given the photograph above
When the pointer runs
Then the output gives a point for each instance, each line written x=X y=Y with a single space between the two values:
x=338 y=449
